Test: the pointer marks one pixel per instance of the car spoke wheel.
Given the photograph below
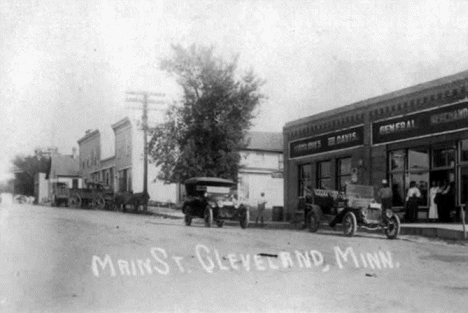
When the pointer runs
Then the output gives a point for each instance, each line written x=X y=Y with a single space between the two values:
x=208 y=216
x=313 y=222
x=244 y=222
x=349 y=224
x=393 y=227
x=188 y=216
x=74 y=202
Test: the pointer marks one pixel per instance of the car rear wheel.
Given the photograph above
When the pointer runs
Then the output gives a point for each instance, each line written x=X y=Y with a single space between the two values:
x=313 y=222
x=188 y=216
x=208 y=216
x=393 y=227
x=349 y=224
x=244 y=222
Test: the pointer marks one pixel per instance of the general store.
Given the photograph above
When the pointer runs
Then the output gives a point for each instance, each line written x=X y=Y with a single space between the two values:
x=416 y=134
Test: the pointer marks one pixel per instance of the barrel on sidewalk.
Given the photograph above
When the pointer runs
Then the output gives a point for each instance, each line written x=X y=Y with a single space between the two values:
x=277 y=215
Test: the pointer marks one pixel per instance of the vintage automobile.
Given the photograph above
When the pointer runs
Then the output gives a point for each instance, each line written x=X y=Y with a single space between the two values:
x=353 y=209
x=210 y=198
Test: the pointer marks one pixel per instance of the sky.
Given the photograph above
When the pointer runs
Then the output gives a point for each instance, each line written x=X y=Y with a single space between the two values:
x=65 y=66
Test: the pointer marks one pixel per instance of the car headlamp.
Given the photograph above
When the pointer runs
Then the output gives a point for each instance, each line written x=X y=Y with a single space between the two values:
x=388 y=213
x=219 y=203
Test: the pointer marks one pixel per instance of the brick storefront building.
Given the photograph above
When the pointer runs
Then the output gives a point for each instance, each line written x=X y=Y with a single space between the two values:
x=416 y=134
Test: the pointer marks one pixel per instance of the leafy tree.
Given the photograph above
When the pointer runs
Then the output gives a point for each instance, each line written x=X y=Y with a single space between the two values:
x=27 y=167
x=203 y=135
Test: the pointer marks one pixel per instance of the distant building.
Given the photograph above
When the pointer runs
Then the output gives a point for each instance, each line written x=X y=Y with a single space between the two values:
x=41 y=188
x=262 y=169
x=64 y=169
x=90 y=155
x=129 y=163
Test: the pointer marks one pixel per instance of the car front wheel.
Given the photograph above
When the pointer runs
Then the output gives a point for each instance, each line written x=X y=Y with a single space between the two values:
x=188 y=216
x=208 y=216
x=349 y=224
x=244 y=222
x=393 y=227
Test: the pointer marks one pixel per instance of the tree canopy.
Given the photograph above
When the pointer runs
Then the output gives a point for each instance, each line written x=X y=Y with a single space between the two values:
x=27 y=166
x=202 y=136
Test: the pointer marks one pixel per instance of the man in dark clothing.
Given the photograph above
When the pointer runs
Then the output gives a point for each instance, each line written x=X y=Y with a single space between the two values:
x=385 y=197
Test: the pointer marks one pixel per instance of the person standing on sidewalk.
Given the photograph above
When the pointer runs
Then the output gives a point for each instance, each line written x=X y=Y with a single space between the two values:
x=412 y=203
x=433 y=208
x=385 y=196
x=261 y=208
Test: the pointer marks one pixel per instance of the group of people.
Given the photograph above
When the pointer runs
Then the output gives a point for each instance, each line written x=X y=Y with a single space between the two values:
x=442 y=200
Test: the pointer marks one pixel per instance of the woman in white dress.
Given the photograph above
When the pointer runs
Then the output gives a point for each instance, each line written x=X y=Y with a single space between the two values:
x=433 y=215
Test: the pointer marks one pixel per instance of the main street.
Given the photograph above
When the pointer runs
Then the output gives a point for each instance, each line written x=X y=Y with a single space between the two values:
x=69 y=260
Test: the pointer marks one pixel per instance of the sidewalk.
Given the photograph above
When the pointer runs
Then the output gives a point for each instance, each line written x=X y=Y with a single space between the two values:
x=434 y=230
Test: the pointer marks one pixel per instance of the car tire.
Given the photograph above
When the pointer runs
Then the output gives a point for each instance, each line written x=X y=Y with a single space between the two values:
x=208 y=216
x=220 y=223
x=188 y=216
x=349 y=224
x=244 y=222
x=393 y=227
x=313 y=222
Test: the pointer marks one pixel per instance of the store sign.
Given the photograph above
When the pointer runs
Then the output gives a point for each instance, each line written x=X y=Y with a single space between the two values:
x=424 y=123
x=323 y=143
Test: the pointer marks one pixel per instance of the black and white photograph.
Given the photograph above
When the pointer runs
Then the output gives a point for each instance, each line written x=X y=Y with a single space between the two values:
x=233 y=156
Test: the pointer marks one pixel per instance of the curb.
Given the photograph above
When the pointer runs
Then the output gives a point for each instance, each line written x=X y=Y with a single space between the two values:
x=431 y=232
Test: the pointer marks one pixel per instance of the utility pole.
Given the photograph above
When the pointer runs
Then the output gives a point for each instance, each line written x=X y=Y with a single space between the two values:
x=143 y=97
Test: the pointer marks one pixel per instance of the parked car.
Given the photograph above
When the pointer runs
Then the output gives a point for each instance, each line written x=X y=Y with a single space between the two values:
x=211 y=199
x=358 y=210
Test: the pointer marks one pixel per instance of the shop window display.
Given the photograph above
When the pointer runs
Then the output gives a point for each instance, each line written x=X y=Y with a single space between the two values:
x=344 y=173
x=324 y=179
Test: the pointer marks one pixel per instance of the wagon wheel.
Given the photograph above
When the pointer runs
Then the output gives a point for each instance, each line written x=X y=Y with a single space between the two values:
x=393 y=227
x=188 y=215
x=349 y=224
x=98 y=203
x=74 y=201
x=244 y=222
x=313 y=222
x=208 y=216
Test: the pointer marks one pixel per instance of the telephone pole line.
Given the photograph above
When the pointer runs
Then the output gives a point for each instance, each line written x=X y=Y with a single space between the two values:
x=143 y=97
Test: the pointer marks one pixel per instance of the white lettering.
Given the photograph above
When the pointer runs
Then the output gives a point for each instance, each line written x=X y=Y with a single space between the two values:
x=144 y=265
x=386 y=259
x=178 y=260
x=103 y=264
x=232 y=261
x=259 y=263
x=339 y=255
x=286 y=259
x=246 y=262
x=373 y=259
x=303 y=259
x=123 y=266
x=317 y=257
x=165 y=267
x=220 y=263
x=209 y=265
